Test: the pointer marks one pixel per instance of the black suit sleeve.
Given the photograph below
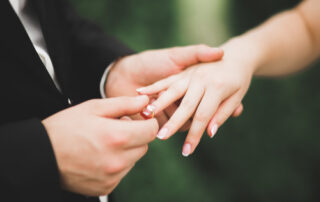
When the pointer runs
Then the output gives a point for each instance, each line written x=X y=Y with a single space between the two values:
x=28 y=165
x=92 y=50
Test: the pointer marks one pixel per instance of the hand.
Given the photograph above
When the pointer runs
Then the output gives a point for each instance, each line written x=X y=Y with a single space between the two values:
x=145 y=68
x=211 y=92
x=95 y=150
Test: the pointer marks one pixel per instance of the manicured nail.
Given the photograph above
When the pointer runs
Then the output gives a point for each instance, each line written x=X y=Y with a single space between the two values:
x=148 y=112
x=186 y=150
x=140 y=90
x=162 y=133
x=126 y=118
x=214 y=130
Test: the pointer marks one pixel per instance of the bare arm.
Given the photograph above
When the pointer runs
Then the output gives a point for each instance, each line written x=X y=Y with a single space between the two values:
x=284 y=44
x=211 y=92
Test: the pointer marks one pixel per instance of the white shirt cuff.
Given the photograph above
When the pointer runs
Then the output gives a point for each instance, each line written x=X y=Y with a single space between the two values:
x=104 y=80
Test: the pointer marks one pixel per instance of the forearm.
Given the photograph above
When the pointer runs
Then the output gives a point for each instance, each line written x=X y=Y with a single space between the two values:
x=284 y=44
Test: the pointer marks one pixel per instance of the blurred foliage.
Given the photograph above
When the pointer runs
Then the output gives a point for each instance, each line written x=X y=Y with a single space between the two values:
x=271 y=153
x=140 y=24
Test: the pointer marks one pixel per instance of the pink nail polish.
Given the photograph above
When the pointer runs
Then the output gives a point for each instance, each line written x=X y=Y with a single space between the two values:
x=162 y=133
x=186 y=150
x=148 y=112
x=214 y=130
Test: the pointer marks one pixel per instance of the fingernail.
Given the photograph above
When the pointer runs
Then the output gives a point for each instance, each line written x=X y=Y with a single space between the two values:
x=126 y=118
x=162 y=133
x=148 y=112
x=186 y=150
x=214 y=130
x=140 y=90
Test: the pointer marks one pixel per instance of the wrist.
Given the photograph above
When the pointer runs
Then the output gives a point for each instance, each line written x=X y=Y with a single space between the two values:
x=115 y=73
x=246 y=52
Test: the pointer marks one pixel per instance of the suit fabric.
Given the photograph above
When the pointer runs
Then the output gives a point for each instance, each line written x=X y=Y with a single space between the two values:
x=80 y=51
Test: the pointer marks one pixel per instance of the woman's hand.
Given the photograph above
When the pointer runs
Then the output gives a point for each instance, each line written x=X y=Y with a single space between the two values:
x=211 y=93
x=145 y=68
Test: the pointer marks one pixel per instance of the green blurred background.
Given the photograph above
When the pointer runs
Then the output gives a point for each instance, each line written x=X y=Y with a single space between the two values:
x=270 y=153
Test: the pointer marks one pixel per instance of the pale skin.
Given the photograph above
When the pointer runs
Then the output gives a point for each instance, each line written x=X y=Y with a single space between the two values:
x=96 y=143
x=211 y=92
x=92 y=159
x=150 y=66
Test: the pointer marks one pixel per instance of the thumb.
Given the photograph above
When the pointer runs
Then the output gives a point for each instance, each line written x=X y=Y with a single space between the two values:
x=191 y=55
x=120 y=106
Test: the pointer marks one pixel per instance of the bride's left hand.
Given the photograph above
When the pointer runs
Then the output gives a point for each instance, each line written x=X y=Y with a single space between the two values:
x=211 y=93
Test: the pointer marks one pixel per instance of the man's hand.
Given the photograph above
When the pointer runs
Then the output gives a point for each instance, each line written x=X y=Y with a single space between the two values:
x=145 y=68
x=95 y=150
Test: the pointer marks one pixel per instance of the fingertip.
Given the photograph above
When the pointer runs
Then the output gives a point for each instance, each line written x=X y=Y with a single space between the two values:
x=141 y=90
x=162 y=134
x=213 y=130
x=142 y=99
x=238 y=111
x=217 y=53
x=186 y=150
x=208 y=54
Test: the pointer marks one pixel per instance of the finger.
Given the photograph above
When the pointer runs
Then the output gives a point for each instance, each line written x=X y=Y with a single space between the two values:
x=126 y=118
x=171 y=110
x=184 y=57
x=129 y=134
x=161 y=118
x=158 y=86
x=117 y=107
x=133 y=155
x=174 y=92
x=183 y=113
x=186 y=126
x=223 y=113
x=238 y=111
x=205 y=111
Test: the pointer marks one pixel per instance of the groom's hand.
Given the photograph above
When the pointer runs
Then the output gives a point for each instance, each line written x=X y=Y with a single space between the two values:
x=95 y=150
x=145 y=68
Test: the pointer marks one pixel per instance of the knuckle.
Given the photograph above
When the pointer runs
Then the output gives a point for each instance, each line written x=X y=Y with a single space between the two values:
x=219 y=83
x=186 y=104
x=234 y=84
x=118 y=140
x=175 y=89
x=115 y=167
x=201 y=117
